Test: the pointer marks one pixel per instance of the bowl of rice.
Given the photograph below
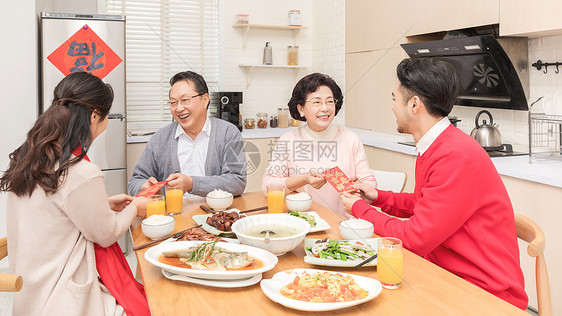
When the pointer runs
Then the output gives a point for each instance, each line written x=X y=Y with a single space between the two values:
x=355 y=228
x=219 y=200
x=157 y=226
x=298 y=201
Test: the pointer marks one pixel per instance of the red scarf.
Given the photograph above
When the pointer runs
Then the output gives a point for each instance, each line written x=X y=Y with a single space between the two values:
x=116 y=275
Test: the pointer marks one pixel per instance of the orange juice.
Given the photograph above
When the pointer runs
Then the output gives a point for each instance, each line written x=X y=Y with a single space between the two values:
x=155 y=207
x=275 y=201
x=390 y=263
x=174 y=201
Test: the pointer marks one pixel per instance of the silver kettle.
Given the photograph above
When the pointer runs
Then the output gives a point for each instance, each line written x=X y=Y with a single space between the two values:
x=487 y=135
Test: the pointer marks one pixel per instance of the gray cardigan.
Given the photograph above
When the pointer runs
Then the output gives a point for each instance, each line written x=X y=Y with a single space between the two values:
x=225 y=165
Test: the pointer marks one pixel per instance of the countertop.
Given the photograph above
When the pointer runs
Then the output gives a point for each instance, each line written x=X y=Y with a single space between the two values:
x=544 y=171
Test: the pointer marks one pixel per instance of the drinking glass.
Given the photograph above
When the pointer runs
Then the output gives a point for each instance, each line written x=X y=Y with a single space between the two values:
x=390 y=262
x=156 y=206
x=275 y=197
x=174 y=199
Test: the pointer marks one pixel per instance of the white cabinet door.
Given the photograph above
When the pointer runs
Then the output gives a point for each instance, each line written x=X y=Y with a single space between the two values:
x=530 y=18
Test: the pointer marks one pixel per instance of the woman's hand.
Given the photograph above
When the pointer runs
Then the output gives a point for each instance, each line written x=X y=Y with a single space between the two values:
x=140 y=202
x=177 y=179
x=315 y=180
x=348 y=200
x=151 y=181
x=119 y=202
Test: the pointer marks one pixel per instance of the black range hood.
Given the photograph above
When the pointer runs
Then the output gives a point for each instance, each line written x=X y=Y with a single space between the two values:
x=487 y=75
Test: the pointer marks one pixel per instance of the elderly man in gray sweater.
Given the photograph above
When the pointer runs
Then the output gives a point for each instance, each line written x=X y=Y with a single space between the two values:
x=198 y=152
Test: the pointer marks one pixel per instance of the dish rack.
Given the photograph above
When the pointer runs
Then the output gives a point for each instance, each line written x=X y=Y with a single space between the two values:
x=545 y=136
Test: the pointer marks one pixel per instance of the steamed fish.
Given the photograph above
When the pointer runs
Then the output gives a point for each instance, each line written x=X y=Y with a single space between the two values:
x=208 y=257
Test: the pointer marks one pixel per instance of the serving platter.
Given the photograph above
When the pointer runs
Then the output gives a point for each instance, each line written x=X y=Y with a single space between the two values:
x=214 y=283
x=311 y=259
x=272 y=289
x=321 y=224
x=269 y=261
x=202 y=220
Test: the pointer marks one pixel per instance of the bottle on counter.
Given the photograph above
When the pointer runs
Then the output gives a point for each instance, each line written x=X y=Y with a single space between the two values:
x=283 y=120
x=262 y=120
x=267 y=54
x=292 y=55
x=273 y=121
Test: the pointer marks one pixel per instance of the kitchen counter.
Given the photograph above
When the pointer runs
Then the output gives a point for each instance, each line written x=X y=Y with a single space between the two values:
x=547 y=172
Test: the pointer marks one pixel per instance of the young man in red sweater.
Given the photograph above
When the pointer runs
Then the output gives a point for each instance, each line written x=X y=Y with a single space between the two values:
x=460 y=216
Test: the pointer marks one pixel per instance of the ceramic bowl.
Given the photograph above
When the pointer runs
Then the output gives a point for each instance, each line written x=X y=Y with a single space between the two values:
x=277 y=246
x=157 y=229
x=298 y=204
x=355 y=228
x=219 y=203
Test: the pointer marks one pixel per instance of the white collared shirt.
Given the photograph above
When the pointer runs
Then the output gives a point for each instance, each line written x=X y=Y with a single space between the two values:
x=192 y=153
x=432 y=135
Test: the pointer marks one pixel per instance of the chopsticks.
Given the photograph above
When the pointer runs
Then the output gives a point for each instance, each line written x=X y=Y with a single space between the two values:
x=371 y=258
x=175 y=235
x=208 y=210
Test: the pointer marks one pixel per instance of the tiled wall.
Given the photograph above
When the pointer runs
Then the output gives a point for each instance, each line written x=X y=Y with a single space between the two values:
x=321 y=49
x=513 y=125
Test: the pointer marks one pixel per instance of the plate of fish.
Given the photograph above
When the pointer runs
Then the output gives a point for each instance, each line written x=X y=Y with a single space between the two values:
x=211 y=260
x=339 y=253
x=316 y=222
x=214 y=283
x=219 y=223
x=319 y=290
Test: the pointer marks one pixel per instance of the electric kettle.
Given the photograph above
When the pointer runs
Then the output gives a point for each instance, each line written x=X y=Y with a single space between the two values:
x=487 y=135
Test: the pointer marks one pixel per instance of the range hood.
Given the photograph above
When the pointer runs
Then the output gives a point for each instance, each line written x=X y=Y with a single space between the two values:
x=492 y=72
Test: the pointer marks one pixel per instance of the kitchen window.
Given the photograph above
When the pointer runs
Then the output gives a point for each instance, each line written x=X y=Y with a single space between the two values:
x=164 y=37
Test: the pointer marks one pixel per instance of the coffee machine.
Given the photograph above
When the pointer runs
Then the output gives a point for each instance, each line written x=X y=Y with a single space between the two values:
x=226 y=105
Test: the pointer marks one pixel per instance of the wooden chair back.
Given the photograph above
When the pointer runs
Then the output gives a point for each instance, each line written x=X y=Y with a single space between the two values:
x=390 y=180
x=8 y=282
x=530 y=232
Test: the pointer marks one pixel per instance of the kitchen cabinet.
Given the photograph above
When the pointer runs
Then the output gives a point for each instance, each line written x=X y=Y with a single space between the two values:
x=530 y=19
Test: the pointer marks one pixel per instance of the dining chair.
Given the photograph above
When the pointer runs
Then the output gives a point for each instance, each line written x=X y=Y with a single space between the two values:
x=8 y=282
x=394 y=181
x=530 y=232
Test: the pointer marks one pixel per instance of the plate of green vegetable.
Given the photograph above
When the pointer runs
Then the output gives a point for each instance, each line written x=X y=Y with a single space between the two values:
x=339 y=253
x=316 y=222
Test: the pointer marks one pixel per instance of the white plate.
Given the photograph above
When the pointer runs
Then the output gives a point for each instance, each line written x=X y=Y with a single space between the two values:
x=269 y=261
x=202 y=220
x=271 y=288
x=309 y=258
x=321 y=224
x=214 y=283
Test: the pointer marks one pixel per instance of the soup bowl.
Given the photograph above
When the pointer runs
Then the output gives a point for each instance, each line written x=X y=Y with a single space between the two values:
x=289 y=232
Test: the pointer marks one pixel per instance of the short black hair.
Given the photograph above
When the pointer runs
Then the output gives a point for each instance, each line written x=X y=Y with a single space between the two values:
x=434 y=81
x=309 y=84
x=199 y=83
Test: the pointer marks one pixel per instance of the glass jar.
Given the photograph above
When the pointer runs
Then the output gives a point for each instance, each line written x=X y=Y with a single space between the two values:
x=295 y=17
x=292 y=55
x=283 y=114
x=242 y=18
x=262 y=120
x=273 y=121
x=249 y=123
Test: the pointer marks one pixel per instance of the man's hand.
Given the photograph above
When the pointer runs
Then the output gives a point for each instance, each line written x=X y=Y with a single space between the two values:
x=151 y=181
x=348 y=200
x=119 y=202
x=367 y=192
x=177 y=179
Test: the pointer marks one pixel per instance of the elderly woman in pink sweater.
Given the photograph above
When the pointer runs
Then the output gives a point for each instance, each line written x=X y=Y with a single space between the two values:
x=302 y=155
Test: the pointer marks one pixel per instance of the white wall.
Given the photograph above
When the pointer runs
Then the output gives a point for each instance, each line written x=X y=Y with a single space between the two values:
x=321 y=48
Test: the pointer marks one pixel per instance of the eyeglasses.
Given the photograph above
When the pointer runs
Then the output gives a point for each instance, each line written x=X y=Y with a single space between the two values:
x=330 y=102
x=183 y=101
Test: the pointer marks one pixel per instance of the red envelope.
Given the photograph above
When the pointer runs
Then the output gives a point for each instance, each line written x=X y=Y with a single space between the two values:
x=151 y=190
x=338 y=180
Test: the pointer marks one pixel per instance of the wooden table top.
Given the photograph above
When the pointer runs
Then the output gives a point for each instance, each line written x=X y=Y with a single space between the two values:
x=427 y=289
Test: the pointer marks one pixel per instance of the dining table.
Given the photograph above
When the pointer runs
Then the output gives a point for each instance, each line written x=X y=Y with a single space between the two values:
x=427 y=289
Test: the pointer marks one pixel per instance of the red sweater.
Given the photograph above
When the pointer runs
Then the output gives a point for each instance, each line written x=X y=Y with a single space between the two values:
x=459 y=217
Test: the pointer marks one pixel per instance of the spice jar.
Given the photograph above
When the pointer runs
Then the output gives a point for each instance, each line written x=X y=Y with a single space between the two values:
x=242 y=18
x=295 y=123
x=283 y=121
x=249 y=123
x=262 y=120
x=273 y=121
x=292 y=55
x=295 y=17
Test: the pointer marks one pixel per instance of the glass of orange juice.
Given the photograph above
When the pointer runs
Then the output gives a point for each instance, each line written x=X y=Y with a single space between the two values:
x=390 y=262
x=156 y=206
x=275 y=197
x=174 y=199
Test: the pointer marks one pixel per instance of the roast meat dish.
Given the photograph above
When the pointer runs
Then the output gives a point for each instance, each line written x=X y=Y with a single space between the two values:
x=223 y=220
x=197 y=233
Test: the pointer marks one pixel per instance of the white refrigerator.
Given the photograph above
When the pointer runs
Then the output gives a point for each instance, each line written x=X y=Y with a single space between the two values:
x=95 y=44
